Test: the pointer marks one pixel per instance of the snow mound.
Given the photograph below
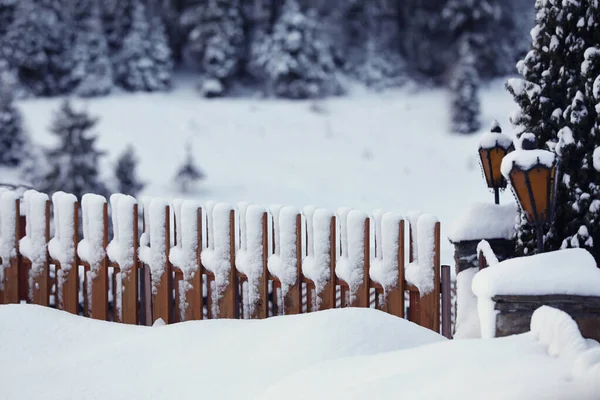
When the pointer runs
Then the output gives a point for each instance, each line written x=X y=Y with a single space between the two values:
x=75 y=357
x=499 y=369
x=485 y=221
x=567 y=272
x=558 y=331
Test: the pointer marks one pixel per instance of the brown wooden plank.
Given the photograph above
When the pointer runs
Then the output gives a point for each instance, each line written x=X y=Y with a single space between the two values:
x=292 y=302
x=70 y=275
x=328 y=294
x=129 y=279
x=395 y=296
x=41 y=281
x=429 y=313
x=362 y=295
x=228 y=303
x=11 y=272
x=161 y=307
x=194 y=299
x=99 y=284
x=262 y=306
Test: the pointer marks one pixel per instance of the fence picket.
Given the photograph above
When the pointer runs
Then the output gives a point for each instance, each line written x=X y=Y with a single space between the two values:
x=40 y=280
x=10 y=286
x=70 y=295
x=395 y=296
x=429 y=311
x=161 y=307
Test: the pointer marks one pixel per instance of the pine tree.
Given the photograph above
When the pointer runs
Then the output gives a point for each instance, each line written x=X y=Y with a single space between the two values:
x=38 y=46
x=7 y=11
x=12 y=136
x=93 y=66
x=296 y=60
x=73 y=163
x=371 y=52
x=116 y=22
x=558 y=106
x=126 y=175
x=465 y=108
x=215 y=43
x=144 y=62
x=188 y=174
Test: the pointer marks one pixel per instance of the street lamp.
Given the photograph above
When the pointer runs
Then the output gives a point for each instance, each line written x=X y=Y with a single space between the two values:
x=533 y=178
x=493 y=146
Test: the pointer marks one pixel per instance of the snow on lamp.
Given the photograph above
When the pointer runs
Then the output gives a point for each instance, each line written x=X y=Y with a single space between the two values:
x=533 y=178
x=493 y=146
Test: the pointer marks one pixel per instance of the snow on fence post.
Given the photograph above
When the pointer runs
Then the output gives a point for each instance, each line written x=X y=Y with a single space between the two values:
x=286 y=263
x=387 y=267
x=424 y=272
x=353 y=268
x=92 y=250
x=319 y=264
x=62 y=249
x=155 y=244
x=186 y=256
x=122 y=252
x=9 y=241
x=251 y=259
x=219 y=259
x=33 y=246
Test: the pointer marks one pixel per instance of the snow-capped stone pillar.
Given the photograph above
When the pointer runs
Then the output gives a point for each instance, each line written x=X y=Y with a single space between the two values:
x=494 y=224
x=509 y=292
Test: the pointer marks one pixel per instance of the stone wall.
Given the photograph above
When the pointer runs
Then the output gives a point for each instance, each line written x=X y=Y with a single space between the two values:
x=515 y=312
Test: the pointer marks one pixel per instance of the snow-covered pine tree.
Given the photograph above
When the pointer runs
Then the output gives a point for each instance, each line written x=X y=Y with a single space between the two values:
x=116 y=21
x=144 y=62
x=38 y=46
x=7 y=11
x=370 y=52
x=558 y=106
x=12 y=136
x=296 y=59
x=125 y=173
x=188 y=175
x=464 y=86
x=93 y=65
x=215 y=43
x=73 y=162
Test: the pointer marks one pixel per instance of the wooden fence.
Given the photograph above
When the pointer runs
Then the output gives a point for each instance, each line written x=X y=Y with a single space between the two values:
x=195 y=261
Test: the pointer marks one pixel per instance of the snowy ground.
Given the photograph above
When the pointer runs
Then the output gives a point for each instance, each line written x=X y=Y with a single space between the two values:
x=391 y=151
x=344 y=353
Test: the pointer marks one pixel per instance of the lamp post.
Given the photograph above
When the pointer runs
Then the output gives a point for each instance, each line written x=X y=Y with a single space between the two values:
x=493 y=146
x=533 y=178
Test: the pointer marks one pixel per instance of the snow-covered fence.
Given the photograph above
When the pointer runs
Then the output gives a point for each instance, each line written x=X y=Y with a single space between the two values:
x=196 y=261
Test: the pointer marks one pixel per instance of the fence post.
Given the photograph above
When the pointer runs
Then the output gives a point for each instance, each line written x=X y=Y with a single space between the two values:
x=100 y=280
x=70 y=295
x=363 y=295
x=395 y=296
x=11 y=273
x=292 y=303
x=161 y=304
x=228 y=303
x=430 y=303
x=129 y=279
x=41 y=281
x=446 y=302
x=262 y=307
x=328 y=293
